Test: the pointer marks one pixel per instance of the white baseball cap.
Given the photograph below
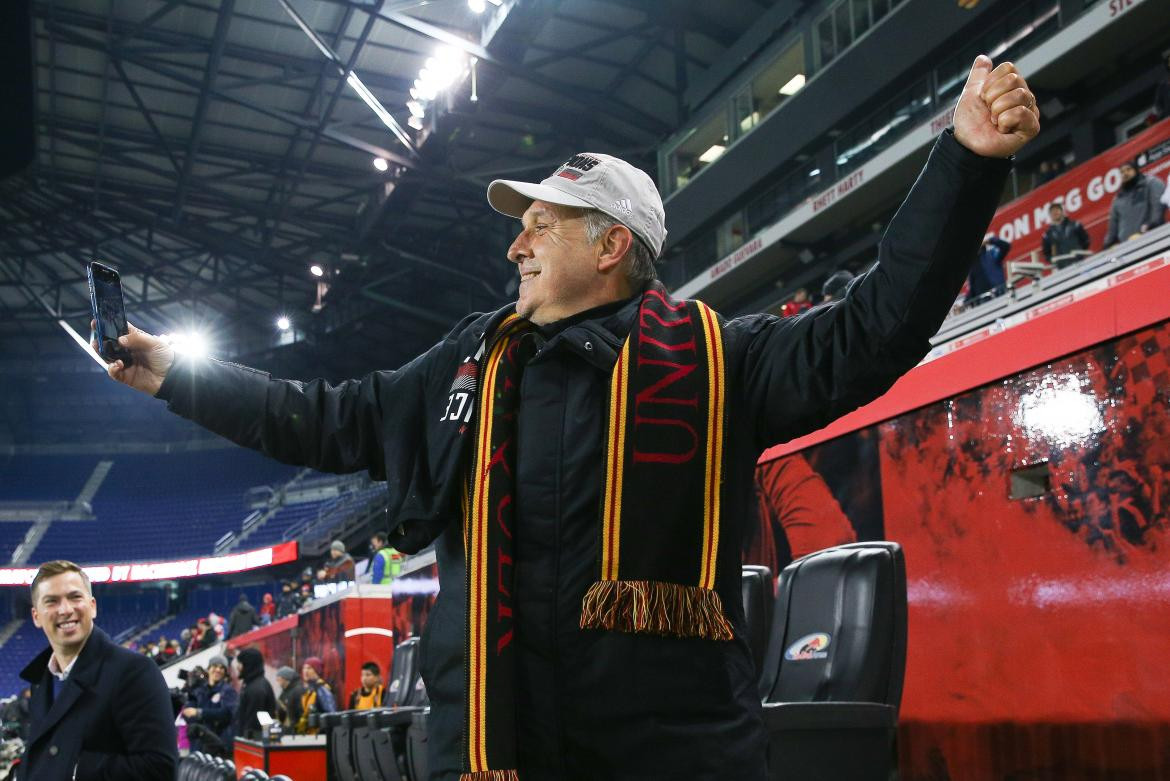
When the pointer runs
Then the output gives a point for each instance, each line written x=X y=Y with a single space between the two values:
x=591 y=180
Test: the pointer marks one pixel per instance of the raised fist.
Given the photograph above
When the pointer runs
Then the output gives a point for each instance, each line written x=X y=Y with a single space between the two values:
x=997 y=113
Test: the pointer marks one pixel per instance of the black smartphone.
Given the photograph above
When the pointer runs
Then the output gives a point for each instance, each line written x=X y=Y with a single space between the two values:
x=109 y=312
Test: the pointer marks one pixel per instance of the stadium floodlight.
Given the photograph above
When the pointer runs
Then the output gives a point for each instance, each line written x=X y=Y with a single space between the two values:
x=415 y=123
x=283 y=323
x=712 y=154
x=793 y=85
x=193 y=344
x=316 y=270
x=477 y=6
x=416 y=109
x=381 y=164
x=815 y=172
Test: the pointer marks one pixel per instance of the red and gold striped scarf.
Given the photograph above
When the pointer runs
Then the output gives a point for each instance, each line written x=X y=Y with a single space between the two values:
x=659 y=549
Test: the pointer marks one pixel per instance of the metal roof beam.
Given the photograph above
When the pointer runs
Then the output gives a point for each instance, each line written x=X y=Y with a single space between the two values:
x=206 y=91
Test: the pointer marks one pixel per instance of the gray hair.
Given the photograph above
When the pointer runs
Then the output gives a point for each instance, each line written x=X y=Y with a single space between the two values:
x=640 y=268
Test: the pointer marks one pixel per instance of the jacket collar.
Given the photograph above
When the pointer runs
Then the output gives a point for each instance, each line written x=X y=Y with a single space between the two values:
x=597 y=335
x=82 y=678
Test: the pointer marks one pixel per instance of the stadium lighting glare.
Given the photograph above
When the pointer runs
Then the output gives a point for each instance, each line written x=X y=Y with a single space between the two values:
x=316 y=270
x=712 y=154
x=190 y=343
x=477 y=6
x=793 y=85
x=415 y=123
x=814 y=172
x=283 y=323
x=416 y=109
x=380 y=163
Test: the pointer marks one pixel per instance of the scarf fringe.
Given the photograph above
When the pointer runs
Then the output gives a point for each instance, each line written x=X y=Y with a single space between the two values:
x=490 y=775
x=655 y=607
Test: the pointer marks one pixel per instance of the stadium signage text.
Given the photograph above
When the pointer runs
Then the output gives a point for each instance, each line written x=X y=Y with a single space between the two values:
x=167 y=570
x=737 y=257
x=1086 y=192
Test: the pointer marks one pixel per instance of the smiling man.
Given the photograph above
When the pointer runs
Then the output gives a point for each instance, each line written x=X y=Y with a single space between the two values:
x=98 y=712
x=583 y=459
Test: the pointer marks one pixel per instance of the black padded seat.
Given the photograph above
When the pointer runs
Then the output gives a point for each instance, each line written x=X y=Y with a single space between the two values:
x=832 y=678
x=758 y=595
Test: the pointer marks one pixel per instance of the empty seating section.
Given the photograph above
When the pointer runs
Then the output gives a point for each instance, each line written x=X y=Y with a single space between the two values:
x=152 y=506
x=11 y=534
x=272 y=532
x=42 y=478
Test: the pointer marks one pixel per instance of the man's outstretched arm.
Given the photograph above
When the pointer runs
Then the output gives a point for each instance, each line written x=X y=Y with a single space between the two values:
x=800 y=373
x=332 y=428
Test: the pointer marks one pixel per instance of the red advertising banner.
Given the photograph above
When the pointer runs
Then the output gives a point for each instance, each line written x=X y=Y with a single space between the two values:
x=135 y=572
x=1086 y=191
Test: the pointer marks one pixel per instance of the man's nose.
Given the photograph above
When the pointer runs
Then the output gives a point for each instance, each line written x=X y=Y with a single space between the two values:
x=519 y=249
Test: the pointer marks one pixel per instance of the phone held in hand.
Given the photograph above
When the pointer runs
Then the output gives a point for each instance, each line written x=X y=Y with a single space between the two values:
x=109 y=312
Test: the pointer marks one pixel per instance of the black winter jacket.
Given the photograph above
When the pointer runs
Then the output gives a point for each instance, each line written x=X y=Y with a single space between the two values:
x=111 y=718
x=592 y=704
x=255 y=695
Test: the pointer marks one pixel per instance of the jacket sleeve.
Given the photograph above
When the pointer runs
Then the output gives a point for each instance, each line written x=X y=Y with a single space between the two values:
x=1156 y=211
x=325 y=701
x=1114 y=219
x=1082 y=236
x=1046 y=245
x=799 y=373
x=331 y=428
x=142 y=714
x=376 y=568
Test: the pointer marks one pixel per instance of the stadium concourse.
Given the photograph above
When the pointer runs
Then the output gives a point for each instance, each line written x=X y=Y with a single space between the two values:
x=962 y=579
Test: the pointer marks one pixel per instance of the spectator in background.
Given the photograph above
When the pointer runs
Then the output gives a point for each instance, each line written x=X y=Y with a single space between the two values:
x=289 y=602
x=288 y=702
x=835 y=286
x=207 y=636
x=1048 y=171
x=318 y=697
x=799 y=302
x=97 y=710
x=243 y=618
x=987 y=273
x=306 y=595
x=371 y=694
x=339 y=567
x=386 y=562
x=212 y=706
x=15 y=716
x=1137 y=207
x=1166 y=194
x=255 y=696
x=167 y=651
x=1063 y=237
x=267 y=610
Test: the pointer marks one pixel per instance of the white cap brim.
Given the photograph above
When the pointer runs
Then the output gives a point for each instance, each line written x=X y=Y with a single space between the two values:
x=514 y=198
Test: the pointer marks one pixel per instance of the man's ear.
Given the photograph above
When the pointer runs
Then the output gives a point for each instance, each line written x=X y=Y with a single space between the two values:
x=36 y=618
x=615 y=245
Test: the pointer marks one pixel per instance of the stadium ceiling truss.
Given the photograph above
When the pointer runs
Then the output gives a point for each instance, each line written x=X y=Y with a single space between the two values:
x=213 y=151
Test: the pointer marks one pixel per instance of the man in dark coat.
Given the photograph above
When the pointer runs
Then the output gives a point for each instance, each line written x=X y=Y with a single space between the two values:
x=243 y=618
x=1137 y=207
x=98 y=712
x=255 y=695
x=288 y=702
x=601 y=703
x=1063 y=237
